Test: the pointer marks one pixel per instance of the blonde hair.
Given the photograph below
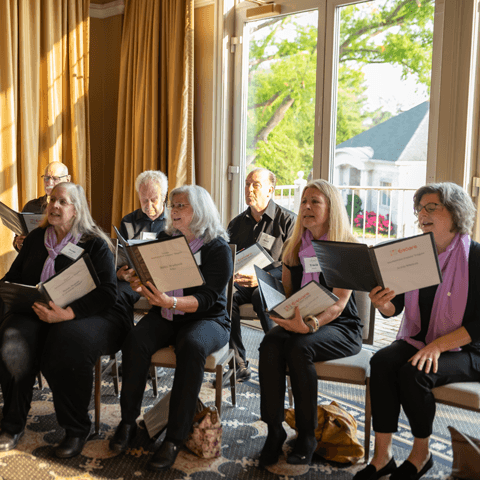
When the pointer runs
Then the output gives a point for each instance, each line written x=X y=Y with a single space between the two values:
x=338 y=226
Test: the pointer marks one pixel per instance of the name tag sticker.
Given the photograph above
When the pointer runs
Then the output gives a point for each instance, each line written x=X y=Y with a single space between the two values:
x=312 y=265
x=266 y=241
x=72 y=251
x=148 y=236
x=198 y=258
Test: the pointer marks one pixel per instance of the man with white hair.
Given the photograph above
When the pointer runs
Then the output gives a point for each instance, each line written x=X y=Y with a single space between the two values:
x=55 y=173
x=146 y=222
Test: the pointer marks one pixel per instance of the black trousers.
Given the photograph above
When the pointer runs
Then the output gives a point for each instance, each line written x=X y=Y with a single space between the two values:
x=395 y=383
x=240 y=297
x=194 y=341
x=281 y=349
x=66 y=353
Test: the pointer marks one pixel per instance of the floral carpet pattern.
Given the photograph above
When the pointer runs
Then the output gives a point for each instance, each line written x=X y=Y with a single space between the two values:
x=243 y=436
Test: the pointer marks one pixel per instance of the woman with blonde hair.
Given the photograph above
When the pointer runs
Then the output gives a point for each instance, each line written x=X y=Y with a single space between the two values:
x=295 y=344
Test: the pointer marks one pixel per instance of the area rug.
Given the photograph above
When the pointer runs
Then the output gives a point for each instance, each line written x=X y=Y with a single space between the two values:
x=243 y=436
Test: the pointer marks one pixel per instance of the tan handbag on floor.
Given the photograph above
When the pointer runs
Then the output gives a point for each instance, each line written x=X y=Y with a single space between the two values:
x=205 y=439
x=466 y=455
x=336 y=434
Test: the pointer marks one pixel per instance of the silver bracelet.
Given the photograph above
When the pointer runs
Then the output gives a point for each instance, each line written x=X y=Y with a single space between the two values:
x=174 y=306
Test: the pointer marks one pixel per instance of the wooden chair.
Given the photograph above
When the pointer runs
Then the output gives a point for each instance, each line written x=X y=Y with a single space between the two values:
x=355 y=369
x=216 y=363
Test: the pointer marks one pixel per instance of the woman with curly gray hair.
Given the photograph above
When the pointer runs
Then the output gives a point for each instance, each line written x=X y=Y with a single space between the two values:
x=194 y=319
x=439 y=339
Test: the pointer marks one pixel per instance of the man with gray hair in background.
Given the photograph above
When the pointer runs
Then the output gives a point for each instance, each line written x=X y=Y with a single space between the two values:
x=149 y=220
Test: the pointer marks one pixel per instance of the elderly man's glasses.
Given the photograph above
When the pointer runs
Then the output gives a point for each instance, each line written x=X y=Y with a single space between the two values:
x=429 y=208
x=177 y=206
x=47 y=178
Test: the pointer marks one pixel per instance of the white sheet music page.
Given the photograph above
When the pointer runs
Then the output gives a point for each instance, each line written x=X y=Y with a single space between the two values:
x=248 y=258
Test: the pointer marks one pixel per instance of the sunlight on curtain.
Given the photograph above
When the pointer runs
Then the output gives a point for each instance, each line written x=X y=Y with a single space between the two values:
x=43 y=98
x=155 y=107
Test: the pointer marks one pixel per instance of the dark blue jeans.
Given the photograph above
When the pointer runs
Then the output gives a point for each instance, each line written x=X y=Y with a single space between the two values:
x=194 y=341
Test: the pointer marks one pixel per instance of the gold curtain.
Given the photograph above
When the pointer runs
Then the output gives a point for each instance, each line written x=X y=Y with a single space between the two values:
x=43 y=98
x=155 y=107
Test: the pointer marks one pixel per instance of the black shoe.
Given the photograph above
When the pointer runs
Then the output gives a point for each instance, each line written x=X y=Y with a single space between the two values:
x=302 y=452
x=243 y=374
x=165 y=457
x=408 y=471
x=8 y=441
x=370 y=472
x=272 y=448
x=123 y=436
x=70 y=446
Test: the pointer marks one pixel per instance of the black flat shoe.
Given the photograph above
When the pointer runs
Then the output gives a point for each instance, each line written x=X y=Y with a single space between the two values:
x=165 y=457
x=272 y=449
x=408 y=471
x=302 y=452
x=70 y=446
x=8 y=441
x=123 y=436
x=370 y=472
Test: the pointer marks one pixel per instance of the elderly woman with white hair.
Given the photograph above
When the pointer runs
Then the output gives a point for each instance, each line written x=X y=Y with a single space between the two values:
x=64 y=343
x=439 y=338
x=195 y=320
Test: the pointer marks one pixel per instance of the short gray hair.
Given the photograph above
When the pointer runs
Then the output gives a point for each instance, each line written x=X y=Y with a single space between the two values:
x=83 y=222
x=155 y=176
x=206 y=219
x=455 y=199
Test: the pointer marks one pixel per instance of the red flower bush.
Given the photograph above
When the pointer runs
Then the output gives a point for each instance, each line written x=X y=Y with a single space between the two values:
x=384 y=224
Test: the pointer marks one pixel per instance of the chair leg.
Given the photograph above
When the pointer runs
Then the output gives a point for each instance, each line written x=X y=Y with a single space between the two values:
x=97 y=397
x=219 y=387
x=289 y=391
x=153 y=374
x=233 y=379
x=116 y=384
x=40 y=381
x=368 y=420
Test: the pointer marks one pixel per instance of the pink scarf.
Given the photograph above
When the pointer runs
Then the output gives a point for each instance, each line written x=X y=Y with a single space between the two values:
x=450 y=298
x=307 y=251
x=53 y=249
x=195 y=245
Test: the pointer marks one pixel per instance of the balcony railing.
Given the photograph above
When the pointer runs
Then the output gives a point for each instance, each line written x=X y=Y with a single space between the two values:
x=376 y=214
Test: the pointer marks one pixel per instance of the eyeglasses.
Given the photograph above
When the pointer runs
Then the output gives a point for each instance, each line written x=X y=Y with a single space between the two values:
x=429 y=208
x=61 y=201
x=47 y=178
x=177 y=206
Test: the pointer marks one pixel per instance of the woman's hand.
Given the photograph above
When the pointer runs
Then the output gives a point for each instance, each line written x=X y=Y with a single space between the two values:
x=427 y=358
x=125 y=273
x=54 y=314
x=295 y=324
x=155 y=296
x=246 y=280
x=381 y=299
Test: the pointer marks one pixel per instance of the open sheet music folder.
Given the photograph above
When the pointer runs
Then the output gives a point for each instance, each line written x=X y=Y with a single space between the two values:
x=311 y=299
x=166 y=262
x=68 y=285
x=401 y=265
x=18 y=222
x=254 y=255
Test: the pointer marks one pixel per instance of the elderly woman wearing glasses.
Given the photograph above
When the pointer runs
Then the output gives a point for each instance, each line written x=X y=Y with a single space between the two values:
x=439 y=339
x=64 y=343
x=195 y=320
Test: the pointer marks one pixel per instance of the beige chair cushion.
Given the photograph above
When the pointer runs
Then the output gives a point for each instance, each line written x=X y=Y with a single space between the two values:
x=247 y=311
x=464 y=395
x=353 y=369
x=166 y=356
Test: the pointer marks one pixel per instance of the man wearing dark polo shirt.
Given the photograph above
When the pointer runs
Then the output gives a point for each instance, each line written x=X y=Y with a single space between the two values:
x=270 y=225
x=148 y=221
x=56 y=172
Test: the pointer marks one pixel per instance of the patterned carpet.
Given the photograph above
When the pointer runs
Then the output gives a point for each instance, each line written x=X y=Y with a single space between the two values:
x=243 y=437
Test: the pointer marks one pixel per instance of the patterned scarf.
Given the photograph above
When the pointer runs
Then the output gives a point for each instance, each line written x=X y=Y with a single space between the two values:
x=307 y=251
x=450 y=298
x=53 y=249
x=195 y=245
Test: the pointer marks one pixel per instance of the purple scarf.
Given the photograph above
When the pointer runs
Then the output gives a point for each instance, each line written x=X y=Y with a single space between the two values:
x=450 y=299
x=53 y=249
x=195 y=245
x=307 y=251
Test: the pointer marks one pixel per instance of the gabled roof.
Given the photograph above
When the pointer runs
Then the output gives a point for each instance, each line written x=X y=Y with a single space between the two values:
x=390 y=138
